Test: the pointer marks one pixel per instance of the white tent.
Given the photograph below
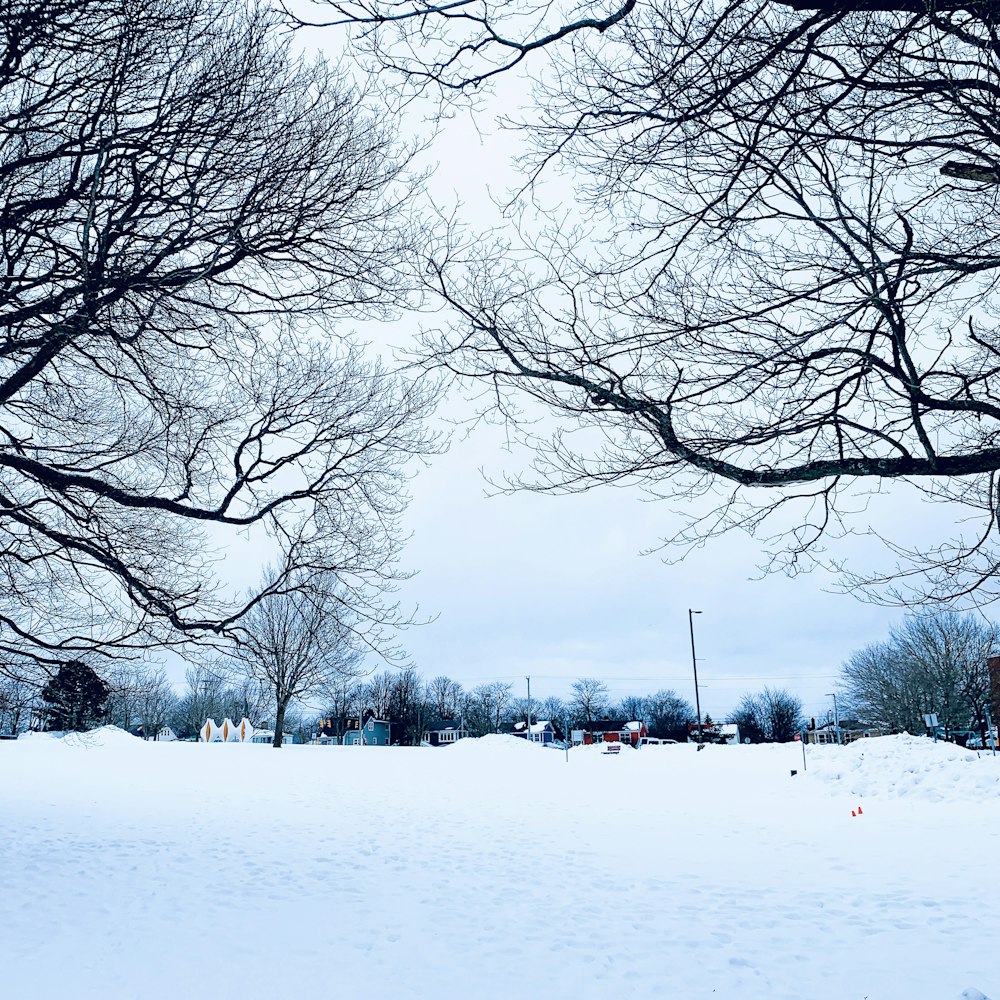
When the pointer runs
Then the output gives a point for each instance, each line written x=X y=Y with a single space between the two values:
x=228 y=732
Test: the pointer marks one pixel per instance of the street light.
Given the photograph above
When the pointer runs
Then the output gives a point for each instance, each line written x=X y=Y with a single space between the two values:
x=694 y=666
x=836 y=714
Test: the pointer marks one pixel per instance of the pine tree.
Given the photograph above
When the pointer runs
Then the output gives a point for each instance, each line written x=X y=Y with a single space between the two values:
x=74 y=698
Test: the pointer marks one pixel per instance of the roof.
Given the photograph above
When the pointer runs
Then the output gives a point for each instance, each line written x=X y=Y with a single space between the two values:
x=536 y=727
x=444 y=725
x=606 y=726
x=848 y=725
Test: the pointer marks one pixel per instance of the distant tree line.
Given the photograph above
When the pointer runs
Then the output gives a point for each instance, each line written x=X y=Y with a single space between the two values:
x=137 y=697
x=932 y=663
x=140 y=698
x=411 y=703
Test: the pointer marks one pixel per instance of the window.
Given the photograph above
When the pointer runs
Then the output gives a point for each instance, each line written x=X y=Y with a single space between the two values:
x=371 y=725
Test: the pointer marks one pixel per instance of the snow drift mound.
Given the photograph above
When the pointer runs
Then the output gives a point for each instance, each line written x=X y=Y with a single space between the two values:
x=901 y=766
x=494 y=744
x=103 y=736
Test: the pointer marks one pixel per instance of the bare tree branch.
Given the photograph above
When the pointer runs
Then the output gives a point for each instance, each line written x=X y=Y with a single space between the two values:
x=186 y=208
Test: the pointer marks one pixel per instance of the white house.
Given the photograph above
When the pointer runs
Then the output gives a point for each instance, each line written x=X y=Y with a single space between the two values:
x=267 y=736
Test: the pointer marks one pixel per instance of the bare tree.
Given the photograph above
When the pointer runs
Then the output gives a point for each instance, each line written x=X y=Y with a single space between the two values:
x=785 y=293
x=344 y=698
x=243 y=697
x=487 y=706
x=669 y=715
x=446 y=695
x=552 y=708
x=634 y=708
x=408 y=709
x=771 y=716
x=156 y=703
x=19 y=703
x=377 y=694
x=124 y=680
x=204 y=698
x=590 y=699
x=297 y=641
x=140 y=695
x=932 y=663
x=187 y=206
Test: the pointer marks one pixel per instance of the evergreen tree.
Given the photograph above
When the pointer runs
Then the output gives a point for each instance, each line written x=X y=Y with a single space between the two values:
x=74 y=699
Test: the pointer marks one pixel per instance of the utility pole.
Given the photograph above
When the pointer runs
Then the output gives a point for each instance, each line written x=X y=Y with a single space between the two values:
x=836 y=715
x=527 y=734
x=694 y=666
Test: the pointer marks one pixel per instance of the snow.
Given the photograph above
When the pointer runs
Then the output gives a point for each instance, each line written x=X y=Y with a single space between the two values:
x=495 y=867
x=536 y=727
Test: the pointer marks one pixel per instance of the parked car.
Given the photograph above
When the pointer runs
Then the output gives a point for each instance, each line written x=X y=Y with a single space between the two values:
x=652 y=741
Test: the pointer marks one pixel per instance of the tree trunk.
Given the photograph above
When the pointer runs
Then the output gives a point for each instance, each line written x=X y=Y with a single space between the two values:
x=279 y=724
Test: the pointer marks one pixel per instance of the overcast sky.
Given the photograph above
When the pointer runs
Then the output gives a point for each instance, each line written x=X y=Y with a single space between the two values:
x=556 y=588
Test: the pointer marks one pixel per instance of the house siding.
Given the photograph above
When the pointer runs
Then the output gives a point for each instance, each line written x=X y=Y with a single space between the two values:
x=374 y=733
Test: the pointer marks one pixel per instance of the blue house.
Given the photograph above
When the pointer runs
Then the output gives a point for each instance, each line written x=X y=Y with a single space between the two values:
x=370 y=732
x=543 y=731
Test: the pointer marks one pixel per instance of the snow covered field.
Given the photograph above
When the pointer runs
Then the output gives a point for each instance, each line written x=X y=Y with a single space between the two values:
x=497 y=869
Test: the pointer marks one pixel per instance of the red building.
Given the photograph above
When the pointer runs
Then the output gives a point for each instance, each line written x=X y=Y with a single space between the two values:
x=615 y=731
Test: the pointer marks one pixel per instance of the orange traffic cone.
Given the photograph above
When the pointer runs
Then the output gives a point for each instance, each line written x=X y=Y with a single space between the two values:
x=853 y=813
x=859 y=810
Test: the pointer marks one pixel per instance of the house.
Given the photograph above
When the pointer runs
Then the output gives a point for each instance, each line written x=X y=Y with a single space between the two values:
x=163 y=735
x=850 y=730
x=369 y=732
x=543 y=731
x=267 y=736
x=729 y=733
x=328 y=732
x=364 y=731
x=822 y=735
x=633 y=732
x=725 y=733
x=614 y=731
x=443 y=732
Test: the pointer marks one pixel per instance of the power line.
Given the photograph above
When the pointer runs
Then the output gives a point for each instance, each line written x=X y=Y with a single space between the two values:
x=678 y=678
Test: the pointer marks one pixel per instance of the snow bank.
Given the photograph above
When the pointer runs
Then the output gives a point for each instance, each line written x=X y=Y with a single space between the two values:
x=908 y=766
x=104 y=736
x=492 y=745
